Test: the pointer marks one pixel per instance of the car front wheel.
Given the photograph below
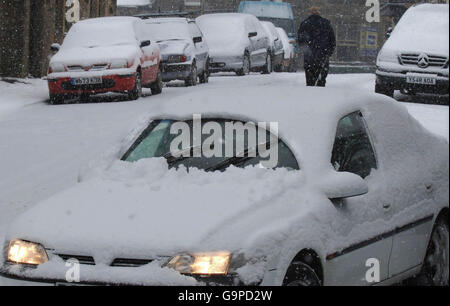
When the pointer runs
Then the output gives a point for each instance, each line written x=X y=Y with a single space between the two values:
x=56 y=99
x=384 y=90
x=204 y=77
x=267 y=69
x=157 y=86
x=435 y=271
x=136 y=92
x=300 y=274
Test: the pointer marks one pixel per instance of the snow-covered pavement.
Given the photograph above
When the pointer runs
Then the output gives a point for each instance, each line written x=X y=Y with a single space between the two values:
x=42 y=147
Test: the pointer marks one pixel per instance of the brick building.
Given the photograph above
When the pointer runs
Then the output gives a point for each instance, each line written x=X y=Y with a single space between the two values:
x=29 y=27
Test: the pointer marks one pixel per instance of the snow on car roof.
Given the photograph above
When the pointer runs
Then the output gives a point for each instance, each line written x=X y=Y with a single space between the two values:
x=166 y=19
x=109 y=19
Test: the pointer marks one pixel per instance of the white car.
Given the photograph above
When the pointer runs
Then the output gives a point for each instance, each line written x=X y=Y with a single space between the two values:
x=289 y=52
x=415 y=57
x=183 y=49
x=276 y=46
x=237 y=43
x=358 y=196
x=108 y=54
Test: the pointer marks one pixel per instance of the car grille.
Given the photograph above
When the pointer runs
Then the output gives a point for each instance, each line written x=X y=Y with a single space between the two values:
x=98 y=67
x=118 y=262
x=84 y=260
x=414 y=58
x=107 y=83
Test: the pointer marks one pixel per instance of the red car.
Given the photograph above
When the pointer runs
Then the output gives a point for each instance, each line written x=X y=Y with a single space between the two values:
x=111 y=54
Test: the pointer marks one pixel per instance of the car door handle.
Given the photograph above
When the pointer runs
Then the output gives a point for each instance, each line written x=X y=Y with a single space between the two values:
x=429 y=188
x=387 y=206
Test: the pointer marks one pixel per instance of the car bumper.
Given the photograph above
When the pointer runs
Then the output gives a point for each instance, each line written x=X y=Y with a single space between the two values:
x=225 y=63
x=110 y=83
x=16 y=276
x=175 y=72
x=397 y=81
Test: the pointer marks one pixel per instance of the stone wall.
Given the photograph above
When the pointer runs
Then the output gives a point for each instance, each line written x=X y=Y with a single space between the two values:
x=29 y=27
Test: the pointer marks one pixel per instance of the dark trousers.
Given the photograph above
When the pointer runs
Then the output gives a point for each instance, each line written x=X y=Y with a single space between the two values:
x=317 y=72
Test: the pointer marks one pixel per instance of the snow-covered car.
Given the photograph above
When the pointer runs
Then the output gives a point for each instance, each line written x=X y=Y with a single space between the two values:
x=415 y=57
x=289 y=53
x=109 y=54
x=183 y=49
x=358 y=196
x=237 y=43
x=276 y=46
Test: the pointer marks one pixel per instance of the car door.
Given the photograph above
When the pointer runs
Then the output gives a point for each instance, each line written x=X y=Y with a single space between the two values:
x=150 y=54
x=359 y=219
x=259 y=42
x=201 y=48
x=408 y=183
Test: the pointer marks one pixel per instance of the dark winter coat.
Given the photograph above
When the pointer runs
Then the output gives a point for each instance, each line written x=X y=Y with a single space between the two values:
x=316 y=36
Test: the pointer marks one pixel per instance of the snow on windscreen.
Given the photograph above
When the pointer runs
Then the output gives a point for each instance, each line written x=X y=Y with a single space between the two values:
x=267 y=9
x=164 y=30
x=221 y=30
x=422 y=28
x=98 y=34
x=133 y=2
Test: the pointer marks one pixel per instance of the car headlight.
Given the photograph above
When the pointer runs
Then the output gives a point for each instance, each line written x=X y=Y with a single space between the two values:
x=216 y=263
x=387 y=56
x=27 y=253
x=119 y=64
x=57 y=67
x=177 y=59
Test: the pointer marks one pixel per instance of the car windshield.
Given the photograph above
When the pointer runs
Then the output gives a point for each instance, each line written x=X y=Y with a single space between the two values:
x=92 y=35
x=166 y=30
x=157 y=139
x=286 y=24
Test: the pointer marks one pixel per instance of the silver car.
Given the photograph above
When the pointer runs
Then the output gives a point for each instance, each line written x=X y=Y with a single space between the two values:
x=237 y=42
x=183 y=49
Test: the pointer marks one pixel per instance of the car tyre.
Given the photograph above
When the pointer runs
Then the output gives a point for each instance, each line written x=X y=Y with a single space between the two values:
x=267 y=69
x=157 y=86
x=204 y=77
x=192 y=79
x=435 y=270
x=246 y=64
x=56 y=99
x=384 y=90
x=136 y=92
x=300 y=274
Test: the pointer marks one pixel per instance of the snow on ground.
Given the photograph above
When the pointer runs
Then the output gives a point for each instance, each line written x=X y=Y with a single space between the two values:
x=42 y=147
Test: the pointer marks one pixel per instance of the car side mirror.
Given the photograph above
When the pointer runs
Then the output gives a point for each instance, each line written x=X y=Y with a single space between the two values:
x=389 y=32
x=343 y=185
x=252 y=34
x=55 y=47
x=145 y=43
x=198 y=40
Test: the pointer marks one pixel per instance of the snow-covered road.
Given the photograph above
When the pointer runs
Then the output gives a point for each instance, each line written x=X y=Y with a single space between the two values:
x=42 y=147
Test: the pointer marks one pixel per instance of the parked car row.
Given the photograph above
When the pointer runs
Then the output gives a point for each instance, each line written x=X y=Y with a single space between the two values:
x=125 y=54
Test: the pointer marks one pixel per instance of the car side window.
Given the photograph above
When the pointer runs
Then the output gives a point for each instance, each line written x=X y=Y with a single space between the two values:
x=353 y=151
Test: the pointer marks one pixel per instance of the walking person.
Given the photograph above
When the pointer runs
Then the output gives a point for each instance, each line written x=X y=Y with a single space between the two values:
x=318 y=41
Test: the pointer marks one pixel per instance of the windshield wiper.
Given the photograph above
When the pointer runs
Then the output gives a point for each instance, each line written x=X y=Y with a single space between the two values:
x=236 y=160
x=172 y=159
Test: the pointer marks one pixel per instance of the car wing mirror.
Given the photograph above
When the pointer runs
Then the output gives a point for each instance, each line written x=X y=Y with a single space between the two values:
x=198 y=40
x=343 y=185
x=145 y=43
x=252 y=34
x=389 y=32
x=55 y=47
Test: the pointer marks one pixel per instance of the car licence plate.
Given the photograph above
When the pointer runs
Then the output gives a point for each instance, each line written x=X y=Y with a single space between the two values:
x=420 y=79
x=87 y=81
